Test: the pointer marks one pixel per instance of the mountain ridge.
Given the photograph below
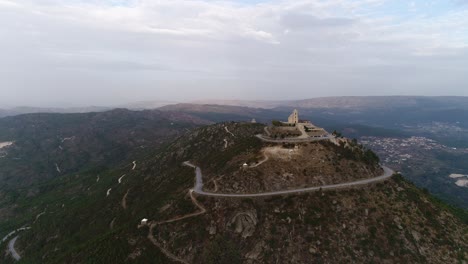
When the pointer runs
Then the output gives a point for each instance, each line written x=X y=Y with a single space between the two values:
x=391 y=221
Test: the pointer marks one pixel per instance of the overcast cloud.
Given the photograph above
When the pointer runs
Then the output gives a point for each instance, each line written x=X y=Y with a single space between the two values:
x=90 y=52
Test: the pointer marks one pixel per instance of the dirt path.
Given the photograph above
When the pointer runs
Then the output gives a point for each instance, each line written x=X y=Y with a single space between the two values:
x=134 y=165
x=68 y=138
x=121 y=177
x=225 y=143
x=175 y=219
x=162 y=249
x=124 y=200
x=111 y=225
x=57 y=168
x=195 y=202
x=265 y=159
x=108 y=192
x=39 y=215
x=215 y=185
x=302 y=130
x=227 y=130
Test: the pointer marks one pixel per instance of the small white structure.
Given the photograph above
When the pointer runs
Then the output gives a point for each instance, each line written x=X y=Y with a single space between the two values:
x=245 y=165
x=144 y=221
x=253 y=121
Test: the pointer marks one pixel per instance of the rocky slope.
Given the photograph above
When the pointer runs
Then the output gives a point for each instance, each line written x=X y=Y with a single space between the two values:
x=386 y=222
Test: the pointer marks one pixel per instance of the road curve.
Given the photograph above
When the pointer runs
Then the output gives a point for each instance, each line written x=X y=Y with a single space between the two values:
x=14 y=231
x=12 y=250
x=198 y=188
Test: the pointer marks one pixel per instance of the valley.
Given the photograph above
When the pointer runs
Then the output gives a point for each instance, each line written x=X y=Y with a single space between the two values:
x=426 y=162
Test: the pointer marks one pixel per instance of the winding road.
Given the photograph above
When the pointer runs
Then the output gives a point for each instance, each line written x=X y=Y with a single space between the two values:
x=175 y=219
x=11 y=244
x=198 y=188
x=14 y=231
x=227 y=130
x=12 y=250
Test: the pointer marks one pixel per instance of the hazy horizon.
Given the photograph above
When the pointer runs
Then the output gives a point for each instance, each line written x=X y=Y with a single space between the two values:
x=220 y=101
x=79 y=53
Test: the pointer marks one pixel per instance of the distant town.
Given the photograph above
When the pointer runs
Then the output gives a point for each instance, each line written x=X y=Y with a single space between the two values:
x=399 y=150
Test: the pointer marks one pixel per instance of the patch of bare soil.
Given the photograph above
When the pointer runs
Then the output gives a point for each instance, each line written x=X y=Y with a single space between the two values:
x=292 y=166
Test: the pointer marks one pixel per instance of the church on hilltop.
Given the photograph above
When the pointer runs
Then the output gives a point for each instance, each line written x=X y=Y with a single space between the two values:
x=305 y=126
x=294 y=117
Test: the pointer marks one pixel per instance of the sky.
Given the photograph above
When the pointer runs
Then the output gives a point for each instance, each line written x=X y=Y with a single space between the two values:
x=111 y=52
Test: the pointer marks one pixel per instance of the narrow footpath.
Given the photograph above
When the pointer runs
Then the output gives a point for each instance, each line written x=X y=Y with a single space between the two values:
x=153 y=225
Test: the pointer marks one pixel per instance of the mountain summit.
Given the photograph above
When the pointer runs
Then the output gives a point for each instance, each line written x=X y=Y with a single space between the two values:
x=222 y=194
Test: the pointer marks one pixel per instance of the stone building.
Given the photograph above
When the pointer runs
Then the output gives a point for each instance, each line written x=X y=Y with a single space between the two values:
x=294 y=117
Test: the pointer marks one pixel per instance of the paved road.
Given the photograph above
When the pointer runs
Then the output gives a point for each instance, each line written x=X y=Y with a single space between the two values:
x=14 y=231
x=11 y=243
x=12 y=250
x=292 y=140
x=198 y=188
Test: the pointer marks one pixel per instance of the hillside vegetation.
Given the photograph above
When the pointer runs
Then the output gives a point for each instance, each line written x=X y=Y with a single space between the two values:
x=388 y=222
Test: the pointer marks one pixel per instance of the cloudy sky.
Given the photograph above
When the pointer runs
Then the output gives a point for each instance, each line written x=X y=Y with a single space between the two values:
x=91 y=52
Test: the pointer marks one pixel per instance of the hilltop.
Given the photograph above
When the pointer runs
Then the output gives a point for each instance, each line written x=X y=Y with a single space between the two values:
x=387 y=221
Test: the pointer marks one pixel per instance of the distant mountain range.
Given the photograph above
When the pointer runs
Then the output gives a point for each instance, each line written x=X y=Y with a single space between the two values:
x=142 y=105
x=354 y=103
x=30 y=110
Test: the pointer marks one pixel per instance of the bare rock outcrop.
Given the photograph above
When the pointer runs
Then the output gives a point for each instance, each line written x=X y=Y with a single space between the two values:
x=244 y=223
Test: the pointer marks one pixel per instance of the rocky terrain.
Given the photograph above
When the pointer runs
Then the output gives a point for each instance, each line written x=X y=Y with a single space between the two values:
x=77 y=220
x=283 y=132
x=288 y=166
x=389 y=222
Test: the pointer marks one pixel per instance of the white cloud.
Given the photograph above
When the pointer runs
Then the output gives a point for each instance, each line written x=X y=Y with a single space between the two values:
x=146 y=48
